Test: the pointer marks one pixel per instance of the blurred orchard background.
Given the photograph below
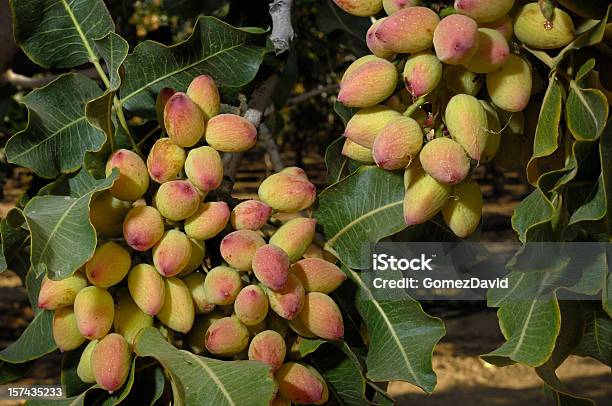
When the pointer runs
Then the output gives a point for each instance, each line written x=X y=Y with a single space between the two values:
x=301 y=124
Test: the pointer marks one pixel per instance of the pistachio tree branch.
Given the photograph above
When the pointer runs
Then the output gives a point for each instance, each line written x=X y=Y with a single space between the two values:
x=266 y=139
x=282 y=29
x=32 y=82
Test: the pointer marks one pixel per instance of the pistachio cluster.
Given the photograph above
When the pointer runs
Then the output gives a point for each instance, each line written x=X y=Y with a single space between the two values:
x=439 y=125
x=150 y=268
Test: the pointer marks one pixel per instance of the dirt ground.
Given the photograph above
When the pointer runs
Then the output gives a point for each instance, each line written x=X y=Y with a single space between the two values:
x=462 y=377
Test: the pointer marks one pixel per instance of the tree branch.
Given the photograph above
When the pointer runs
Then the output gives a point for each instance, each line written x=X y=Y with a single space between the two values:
x=28 y=82
x=312 y=93
x=267 y=140
x=9 y=48
x=282 y=29
x=260 y=100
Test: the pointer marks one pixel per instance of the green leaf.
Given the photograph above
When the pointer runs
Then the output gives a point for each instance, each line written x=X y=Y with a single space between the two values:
x=338 y=166
x=58 y=134
x=402 y=336
x=535 y=211
x=344 y=375
x=11 y=372
x=205 y=381
x=546 y=139
x=331 y=18
x=33 y=282
x=63 y=238
x=362 y=208
x=302 y=347
x=597 y=339
x=113 y=49
x=15 y=250
x=34 y=342
x=60 y=33
x=592 y=36
x=215 y=48
x=587 y=112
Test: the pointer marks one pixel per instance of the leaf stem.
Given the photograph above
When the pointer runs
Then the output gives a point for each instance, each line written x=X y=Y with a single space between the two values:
x=414 y=106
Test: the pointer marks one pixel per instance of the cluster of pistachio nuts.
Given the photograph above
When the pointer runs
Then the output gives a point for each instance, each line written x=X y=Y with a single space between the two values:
x=438 y=125
x=151 y=268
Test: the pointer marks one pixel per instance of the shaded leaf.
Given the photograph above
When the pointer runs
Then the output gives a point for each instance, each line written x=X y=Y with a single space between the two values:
x=362 y=208
x=60 y=33
x=587 y=112
x=58 y=134
x=63 y=238
x=402 y=335
x=597 y=339
x=34 y=342
x=535 y=211
x=205 y=381
x=338 y=166
x=215 y=48
x=15 y=241
x=11 y=372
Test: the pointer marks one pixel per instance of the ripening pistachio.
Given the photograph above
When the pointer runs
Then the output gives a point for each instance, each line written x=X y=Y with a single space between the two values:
x=268 y=347
x=484 y=10
x=109 y=265
x=455 y=39
x=195 y=338
x=412 y=172
x=460 y=80
x=177 y=312
x=204 y=169
x=195 y=284
x=165 y=160
x=133 y=179
x=147 y=288
x=391 y=6
x=322 y=316
x=65 y=328
x=491 y=53
x=295 y=236
x=494 y=129
x=532 y=29
x=84 y=370
x=408 y=30
x=368 y=84
x=398 y=143
x=184 y=120
x=374 y=44
x=504 y=25
x=222 y=285
x=466 y=121
x=94 y=310
x=230 y=133
x=424 y=198
x=318 y=275
x=238 y=247
x=198 y=251
x=288 y=301
x=360 y=8
x=172 y=253
x=510 y=86
x=356 y=152
x=251 y=305
x=226 y=337
x=295 y=171
x=250 y=215
x=111 y=361
x=287 y=193
x=129 y=319
x=160 y=104
x=177 y=199
x=203 y=91
x=301 y=385
x=365 y=125
x=298 y=327
x=463 y=210
x=61 y=293
x=445 y=160
x=107 y=213
x=280 y=401
x=208 y=221
x=271 y=266
x=143 y=227
x=422 y=73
